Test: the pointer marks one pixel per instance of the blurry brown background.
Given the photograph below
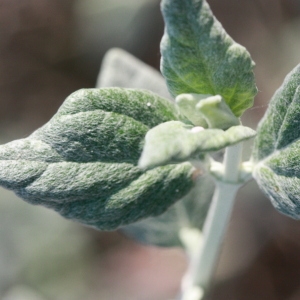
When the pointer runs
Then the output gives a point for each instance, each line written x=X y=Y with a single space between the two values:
x=50 y=48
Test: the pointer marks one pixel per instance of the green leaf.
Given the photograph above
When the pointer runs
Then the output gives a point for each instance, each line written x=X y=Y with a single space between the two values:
x=187 y=105
x=174 y=142
x=188 y=213
x=83 y=162
x=203 y=110
x=276 y=152
x=199 y=57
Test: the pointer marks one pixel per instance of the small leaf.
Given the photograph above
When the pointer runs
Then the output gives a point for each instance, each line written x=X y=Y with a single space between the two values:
x=187 y=105
x=188 y=213
x=276 y=152
x=83 y=162
x=199 y=57
x=174 y=142
x=203 y=110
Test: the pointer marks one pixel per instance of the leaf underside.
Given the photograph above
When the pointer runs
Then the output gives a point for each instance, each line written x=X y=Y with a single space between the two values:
x=189 y=212
x=199 y=57
x=121 y=69
x=175 y=142
x=83 y=162
x=277 y=148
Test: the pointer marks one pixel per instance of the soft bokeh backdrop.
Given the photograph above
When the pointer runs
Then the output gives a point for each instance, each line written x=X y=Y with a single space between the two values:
x=50 y=48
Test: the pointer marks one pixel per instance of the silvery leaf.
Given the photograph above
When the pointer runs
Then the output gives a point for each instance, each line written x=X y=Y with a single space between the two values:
x=199 y=57
x=83 y=162
x=276 y=154
x=175 y=142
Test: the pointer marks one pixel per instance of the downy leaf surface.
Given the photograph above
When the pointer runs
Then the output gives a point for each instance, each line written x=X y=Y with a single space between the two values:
x=175 y=142
x=188 y=213
x=276 y=152
x=199 y=57
x=121 y=69
x=83 y=162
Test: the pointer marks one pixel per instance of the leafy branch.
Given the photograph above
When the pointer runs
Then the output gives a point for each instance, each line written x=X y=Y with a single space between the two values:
x=131 y=159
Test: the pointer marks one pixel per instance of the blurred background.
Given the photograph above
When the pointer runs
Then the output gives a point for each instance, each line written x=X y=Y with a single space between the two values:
x=50 y=48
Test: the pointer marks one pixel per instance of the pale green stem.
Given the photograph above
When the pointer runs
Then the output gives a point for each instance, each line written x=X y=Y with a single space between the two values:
x=204 y=258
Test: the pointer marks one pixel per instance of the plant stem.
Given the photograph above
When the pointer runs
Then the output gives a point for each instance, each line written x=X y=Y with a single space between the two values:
x=203 y=260
x=232 y=161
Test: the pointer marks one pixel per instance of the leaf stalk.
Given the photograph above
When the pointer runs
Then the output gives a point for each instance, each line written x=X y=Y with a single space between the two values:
x=204 y=259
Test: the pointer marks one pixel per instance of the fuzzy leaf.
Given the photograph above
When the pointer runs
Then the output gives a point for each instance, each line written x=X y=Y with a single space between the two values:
x=277 y=148
x=83 y=162
x=174 y=142
x=207 y=111
x=121 y=69
x=199 y=57
x=188 y=213
x=187 y=106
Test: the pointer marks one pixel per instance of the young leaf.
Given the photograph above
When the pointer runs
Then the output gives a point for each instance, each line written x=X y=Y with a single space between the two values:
x=188 y=213
x=217 y=113
x=187 y=105
x=277 y=148
x=174 y=142
x=83 y=162
x=199 y=57
x=207 y=110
